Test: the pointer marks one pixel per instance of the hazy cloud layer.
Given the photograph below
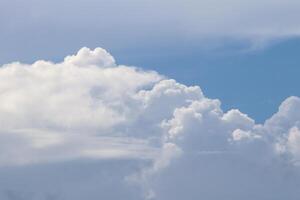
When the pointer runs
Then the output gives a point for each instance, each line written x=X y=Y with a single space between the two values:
x=32 y=25
x=88 y=128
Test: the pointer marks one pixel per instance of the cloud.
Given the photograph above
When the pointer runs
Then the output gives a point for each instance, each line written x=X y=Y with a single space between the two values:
x=243 y=19
x=86 y=57
x=88 y=128
x=92 y=23
x=46 y=105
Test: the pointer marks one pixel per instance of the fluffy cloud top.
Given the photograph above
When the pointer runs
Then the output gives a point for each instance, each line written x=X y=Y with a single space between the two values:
x=135 y=128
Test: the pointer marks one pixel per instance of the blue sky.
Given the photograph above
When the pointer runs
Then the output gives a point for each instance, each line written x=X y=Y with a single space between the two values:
x=149 y=99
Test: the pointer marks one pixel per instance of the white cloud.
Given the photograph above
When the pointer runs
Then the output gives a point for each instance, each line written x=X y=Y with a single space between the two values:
x=293 y=143
x=86 y=57
x=159 y=133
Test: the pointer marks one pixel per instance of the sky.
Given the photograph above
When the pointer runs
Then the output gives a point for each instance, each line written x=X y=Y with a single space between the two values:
x=140 y=99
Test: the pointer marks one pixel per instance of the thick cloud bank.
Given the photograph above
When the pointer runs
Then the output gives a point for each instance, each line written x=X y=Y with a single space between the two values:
x=88 y=128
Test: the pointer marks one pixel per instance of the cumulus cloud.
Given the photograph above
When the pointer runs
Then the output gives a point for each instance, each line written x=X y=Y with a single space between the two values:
x=135 y=134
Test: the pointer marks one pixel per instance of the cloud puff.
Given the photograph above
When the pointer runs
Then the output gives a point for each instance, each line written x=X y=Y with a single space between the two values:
x=138 y=133
x=86 y=57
